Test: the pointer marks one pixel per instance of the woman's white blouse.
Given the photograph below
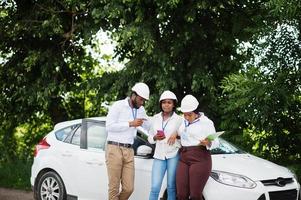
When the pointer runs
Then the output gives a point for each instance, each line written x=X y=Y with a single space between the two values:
x=171 y=125
x=192 y=133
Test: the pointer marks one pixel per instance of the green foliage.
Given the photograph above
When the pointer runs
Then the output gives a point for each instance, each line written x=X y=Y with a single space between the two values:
x=296 y=168
x=29 y=134
x=264 y=99
x=15 y=174
x=8 y=142
x=183 y=46
x=48 y=71
x=286 y=9
x=43 y=66
x=36 y=74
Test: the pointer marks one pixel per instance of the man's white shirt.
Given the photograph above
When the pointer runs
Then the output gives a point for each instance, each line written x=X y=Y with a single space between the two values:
x=118 y=118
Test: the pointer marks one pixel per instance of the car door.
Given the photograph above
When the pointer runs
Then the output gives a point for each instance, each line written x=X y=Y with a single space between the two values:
x=143 y=169
x=91 y=168
x=66 y=151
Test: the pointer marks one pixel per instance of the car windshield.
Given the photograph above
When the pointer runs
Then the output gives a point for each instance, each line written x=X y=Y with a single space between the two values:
x=226 y=148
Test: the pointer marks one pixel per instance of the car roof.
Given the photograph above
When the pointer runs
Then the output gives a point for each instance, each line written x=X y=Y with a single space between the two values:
x=76 y=121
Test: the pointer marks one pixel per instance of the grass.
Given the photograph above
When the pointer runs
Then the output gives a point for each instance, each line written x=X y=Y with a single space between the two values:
x=15 y=174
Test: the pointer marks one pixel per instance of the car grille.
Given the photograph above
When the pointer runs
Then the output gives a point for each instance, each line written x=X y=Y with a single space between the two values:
x=278 y=182
x=283 y=195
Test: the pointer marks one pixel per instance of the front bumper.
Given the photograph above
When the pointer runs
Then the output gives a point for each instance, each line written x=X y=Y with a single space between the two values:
x=218 y=191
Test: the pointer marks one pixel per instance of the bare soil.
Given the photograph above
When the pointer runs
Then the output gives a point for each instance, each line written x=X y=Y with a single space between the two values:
x=12 y=194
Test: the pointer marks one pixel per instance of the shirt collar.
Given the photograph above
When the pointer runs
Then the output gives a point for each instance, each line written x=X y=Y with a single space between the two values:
x=172 y=116
x=126 y=101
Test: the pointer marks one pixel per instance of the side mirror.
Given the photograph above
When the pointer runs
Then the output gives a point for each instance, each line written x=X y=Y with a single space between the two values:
x=144 y=150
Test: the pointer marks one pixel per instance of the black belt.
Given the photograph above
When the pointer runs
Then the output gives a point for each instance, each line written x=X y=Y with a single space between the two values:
x=120 y=144
x=200 y=147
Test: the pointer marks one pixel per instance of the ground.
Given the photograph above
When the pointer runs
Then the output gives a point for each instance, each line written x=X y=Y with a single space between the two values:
x=11 y=194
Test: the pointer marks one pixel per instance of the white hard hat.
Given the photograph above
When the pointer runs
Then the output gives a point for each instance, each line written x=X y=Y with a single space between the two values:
x=142 y=90
x=168 y=95
x=189 y=103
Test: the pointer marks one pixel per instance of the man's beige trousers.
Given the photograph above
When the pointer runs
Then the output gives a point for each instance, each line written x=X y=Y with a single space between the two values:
x=120 y=167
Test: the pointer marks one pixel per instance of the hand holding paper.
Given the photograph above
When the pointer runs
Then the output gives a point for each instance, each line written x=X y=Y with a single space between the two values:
x=213 y=136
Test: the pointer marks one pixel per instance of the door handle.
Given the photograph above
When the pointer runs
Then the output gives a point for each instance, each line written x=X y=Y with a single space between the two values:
x=94 y=163
x=66 y=154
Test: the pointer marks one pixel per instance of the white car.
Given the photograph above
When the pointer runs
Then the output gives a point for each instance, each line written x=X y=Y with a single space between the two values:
x=70 y=163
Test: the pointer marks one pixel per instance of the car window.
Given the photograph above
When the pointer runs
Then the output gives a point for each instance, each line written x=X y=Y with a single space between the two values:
x=226 y=148
x=75 y=139
x=62 y=134
x=96 y=135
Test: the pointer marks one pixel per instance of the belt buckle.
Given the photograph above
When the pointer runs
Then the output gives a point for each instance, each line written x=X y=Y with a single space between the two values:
x=120 y=144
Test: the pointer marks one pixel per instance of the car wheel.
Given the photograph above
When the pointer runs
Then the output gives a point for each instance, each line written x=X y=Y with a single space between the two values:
x=50 y=186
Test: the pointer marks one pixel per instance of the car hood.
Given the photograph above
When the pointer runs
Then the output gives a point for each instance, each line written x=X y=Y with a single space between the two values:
x=248 y=165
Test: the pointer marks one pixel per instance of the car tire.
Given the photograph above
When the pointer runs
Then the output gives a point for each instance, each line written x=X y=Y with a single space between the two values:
x=50 y=186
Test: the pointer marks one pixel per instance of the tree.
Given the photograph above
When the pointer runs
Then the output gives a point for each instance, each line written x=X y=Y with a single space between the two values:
x=185 y=46
x=43 y=62
x=264 y=99
x=44 y=57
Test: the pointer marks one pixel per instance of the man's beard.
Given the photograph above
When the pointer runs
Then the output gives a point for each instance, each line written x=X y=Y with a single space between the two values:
x=134 y=103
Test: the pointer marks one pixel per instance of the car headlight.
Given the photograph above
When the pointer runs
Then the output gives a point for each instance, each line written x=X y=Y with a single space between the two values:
x=235 y=180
